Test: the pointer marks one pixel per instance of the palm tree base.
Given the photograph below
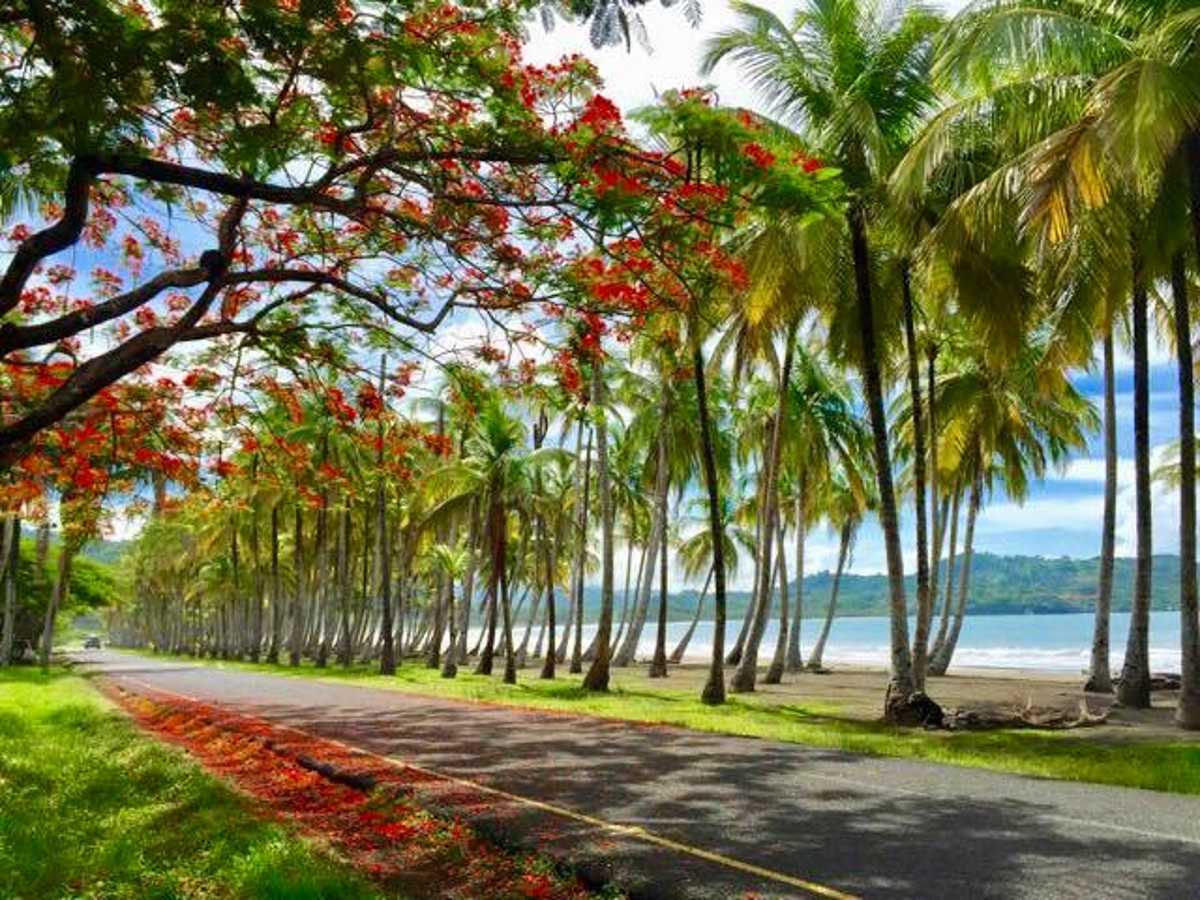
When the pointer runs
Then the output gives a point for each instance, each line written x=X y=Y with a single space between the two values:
x=1187 y=714
x=714 y=690
x=658 y=668
x=774 y=675
x=1098 y=685
x=743 y=680
x=1134 y=691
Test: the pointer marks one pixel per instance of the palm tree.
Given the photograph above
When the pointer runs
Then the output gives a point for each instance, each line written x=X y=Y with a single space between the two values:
x=844 y=504
x=452 y=563
x=854 y=81
x=1118 y=79
x=695 y=555
x=1009 y=422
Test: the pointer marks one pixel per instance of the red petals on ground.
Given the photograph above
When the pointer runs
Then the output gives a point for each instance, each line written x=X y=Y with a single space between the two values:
x=387 y=833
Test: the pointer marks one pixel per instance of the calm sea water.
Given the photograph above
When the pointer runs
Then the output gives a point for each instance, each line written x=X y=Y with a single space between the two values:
x=1060 y=643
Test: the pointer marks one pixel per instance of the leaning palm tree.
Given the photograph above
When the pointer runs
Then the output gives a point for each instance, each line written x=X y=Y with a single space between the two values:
x=852 y=78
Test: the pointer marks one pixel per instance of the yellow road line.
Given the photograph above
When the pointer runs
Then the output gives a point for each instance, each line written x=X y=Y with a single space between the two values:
x=632 y=831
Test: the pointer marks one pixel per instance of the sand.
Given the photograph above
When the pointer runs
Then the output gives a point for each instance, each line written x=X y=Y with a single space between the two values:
x=857 y=694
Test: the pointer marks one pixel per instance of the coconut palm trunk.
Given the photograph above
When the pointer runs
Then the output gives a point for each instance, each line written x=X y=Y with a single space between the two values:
x=495 y=537
x=948 y=601
x=939 y=664
x=296 y=645
x=637 y=623
x=550 y=659
x=1099 y=674
x=747 y=670
x=468 y=588
x=625 y=594
x=920 y=649
x=901 y=658
x=276 y=590
x=734 y=656
x=10 y=562
x=1134 y=690
x=714 y=688
x=937 y=515
x=779 y=659
x=658 y=665
x=581 y=558
x=795 y=662
x=598 y=674
x=681 y=647
x=58 y=596
x=816 y=658
x=1187 y=712
x=510 y=654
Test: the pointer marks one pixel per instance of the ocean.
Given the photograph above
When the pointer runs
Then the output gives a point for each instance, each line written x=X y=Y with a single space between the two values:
x=1053 y=643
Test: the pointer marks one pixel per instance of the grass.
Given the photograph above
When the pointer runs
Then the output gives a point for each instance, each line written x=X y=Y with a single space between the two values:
x=91 y=808
x=1079 y=755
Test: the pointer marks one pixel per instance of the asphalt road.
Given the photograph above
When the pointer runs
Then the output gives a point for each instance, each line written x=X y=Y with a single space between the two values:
x=857 y=825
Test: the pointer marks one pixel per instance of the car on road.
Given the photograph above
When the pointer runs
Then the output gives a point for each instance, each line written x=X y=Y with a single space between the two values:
x=92 y=643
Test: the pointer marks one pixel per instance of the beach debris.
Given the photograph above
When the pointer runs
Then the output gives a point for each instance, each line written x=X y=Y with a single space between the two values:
x=1028 y=716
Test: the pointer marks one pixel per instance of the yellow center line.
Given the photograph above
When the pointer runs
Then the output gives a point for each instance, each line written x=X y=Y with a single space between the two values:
x=632 y=831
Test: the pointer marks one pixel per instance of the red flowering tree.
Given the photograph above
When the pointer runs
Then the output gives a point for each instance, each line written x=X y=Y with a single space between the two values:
x=261 y=168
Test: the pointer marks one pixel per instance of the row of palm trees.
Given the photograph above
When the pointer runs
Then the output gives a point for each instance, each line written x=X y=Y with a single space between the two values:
x=1027 y=170
x=1020 y=182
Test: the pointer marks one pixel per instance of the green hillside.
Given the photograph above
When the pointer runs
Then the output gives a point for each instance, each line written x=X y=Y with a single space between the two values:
x=999 y=585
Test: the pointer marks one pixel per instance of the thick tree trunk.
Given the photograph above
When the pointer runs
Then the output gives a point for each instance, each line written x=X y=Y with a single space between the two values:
x=795 y=661
x=1187 y=713
x=1099 y=675
x=941 y=663
x=816 y=658
x=714 y=688
x=920 y=660
x=901 y=657
x=598 y=675
x=681 y=647
x=1135 y=674
x=778 y=661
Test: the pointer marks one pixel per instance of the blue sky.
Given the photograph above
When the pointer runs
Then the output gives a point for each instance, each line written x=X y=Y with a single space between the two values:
x=1062 y=515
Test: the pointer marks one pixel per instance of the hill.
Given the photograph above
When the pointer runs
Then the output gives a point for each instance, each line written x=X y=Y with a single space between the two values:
x=1000 y=585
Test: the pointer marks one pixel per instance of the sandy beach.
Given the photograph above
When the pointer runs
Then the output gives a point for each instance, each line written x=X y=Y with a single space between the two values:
x=857 y=693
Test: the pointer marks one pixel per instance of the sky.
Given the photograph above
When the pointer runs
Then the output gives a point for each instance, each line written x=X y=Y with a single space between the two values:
x=1061 y=516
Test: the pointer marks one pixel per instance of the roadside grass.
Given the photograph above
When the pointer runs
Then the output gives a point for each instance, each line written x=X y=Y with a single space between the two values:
x=89 y=807
x=1172 y=766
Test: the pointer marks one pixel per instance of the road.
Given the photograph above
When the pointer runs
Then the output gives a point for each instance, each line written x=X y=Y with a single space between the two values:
x=817 y=819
